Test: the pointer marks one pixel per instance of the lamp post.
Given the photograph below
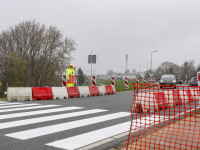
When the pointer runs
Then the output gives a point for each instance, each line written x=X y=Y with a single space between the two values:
x=139 y=69
x=151 y=58
x=147 y=65
x=147 y=69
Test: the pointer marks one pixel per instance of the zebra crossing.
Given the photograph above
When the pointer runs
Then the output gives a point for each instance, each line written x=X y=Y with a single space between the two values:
x=15 y=119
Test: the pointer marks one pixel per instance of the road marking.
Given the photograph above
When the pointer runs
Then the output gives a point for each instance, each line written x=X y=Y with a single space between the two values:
x=27 y=108
x=23 y=135
x=15 y=115
x=1 y=104
x=2 y=107
x=47 y=118
x=90 y=137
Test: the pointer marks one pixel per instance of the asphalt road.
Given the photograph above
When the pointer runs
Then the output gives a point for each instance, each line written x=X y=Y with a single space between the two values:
x=95 y=123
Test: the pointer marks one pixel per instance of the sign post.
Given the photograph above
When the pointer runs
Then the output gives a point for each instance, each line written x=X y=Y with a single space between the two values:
x=91 y=60
x=198 y=78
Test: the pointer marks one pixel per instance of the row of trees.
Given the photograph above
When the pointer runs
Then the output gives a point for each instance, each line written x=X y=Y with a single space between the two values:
x=185 y=72
x=33 y=54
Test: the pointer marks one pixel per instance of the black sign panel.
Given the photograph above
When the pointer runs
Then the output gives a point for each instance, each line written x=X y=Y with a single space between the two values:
x=93 y=59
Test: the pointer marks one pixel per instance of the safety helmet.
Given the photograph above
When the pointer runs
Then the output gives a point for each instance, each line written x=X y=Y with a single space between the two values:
x=71 y=66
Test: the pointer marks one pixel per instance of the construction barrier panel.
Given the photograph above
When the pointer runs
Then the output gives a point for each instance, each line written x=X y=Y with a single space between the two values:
x=156 y=126
x=109 y=89
x=42 y=93
x=59 y=93
x=19 y=93
x=94 y=91
x=73 y=92
x=84 y=91
x=102 y=90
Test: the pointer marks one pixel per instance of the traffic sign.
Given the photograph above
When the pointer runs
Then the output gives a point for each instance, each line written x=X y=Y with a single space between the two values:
x=93 y=59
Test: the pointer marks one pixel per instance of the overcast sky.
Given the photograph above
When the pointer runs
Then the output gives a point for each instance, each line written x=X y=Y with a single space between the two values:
x=114 y=28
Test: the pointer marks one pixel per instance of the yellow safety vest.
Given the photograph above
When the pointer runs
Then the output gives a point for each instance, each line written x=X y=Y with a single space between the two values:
x=70 y=75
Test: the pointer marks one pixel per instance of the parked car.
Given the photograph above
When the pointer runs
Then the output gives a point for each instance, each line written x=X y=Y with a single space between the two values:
x=193 y=82
x=168 y=80
x=179 y=81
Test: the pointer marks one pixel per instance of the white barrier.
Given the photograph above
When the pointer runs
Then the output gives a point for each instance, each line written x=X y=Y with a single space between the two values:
x=19 y=93
x=102 y=90
x=59 y=92
x=147 y=101
x=170 y=98
x=84 y=91
x=195 y=94
x=184 y=97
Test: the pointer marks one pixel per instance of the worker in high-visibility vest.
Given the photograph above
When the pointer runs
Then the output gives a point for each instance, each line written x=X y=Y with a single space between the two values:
x=70 y=76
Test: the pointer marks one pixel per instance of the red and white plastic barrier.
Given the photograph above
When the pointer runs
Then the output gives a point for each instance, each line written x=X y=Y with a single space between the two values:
x=44 y=93
x=144 y=81
x=152 y=81
x=137 y=79
x=113 y=83
x=198 y=78
x=93 y=80
x=126 y=83
x=64 y=80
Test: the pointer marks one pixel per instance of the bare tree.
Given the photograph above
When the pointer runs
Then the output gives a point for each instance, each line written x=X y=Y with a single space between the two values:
x=44 y=49
x=167 y=68
x=188 y=69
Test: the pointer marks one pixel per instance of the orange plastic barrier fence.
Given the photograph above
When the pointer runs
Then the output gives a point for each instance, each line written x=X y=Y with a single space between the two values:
x=109 y=89
x=94 y=91
x=42 y=93
x=164 y=118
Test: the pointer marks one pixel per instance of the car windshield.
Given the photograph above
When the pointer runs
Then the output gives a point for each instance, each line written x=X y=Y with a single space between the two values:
x=194 y=78
x=167 y=77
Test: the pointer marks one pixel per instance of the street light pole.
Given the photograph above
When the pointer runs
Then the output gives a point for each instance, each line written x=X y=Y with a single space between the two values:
x=139 y=69
x=151 y=58
x=147 y=65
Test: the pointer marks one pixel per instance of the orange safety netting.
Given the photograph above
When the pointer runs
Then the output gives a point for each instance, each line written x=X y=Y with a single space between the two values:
x=164 y=118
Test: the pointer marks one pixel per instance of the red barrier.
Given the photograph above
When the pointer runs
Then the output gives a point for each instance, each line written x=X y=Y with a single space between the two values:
x=94 y=91
x=175 y=127
x=161 y=100
x=73 y=92
x=109 y=89
x=42 y=93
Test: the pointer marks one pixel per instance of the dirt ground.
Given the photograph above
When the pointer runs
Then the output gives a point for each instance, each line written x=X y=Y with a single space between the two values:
x=184 y=134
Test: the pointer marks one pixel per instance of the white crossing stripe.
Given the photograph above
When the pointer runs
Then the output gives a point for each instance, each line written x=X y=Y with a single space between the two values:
x=91 y=137
x=18 y=105
x=38 y=112
x=27 y=134
x=2 y=104
x=27 y=108
x=47 y=118
x=85 y=139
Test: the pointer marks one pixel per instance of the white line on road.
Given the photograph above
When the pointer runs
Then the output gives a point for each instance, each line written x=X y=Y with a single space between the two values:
x=91 y=137
x=2 y=107
x=2 y=104
x=27 y=108
x=38 y=112
x=23 y=135
x=48 y=118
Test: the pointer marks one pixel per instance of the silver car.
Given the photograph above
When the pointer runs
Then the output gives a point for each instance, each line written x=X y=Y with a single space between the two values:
x=168 y=80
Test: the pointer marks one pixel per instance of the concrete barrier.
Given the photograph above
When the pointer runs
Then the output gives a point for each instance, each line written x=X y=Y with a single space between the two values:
x=59 y=93
x=102 y=90
x=84 y=91
x=19 y=93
